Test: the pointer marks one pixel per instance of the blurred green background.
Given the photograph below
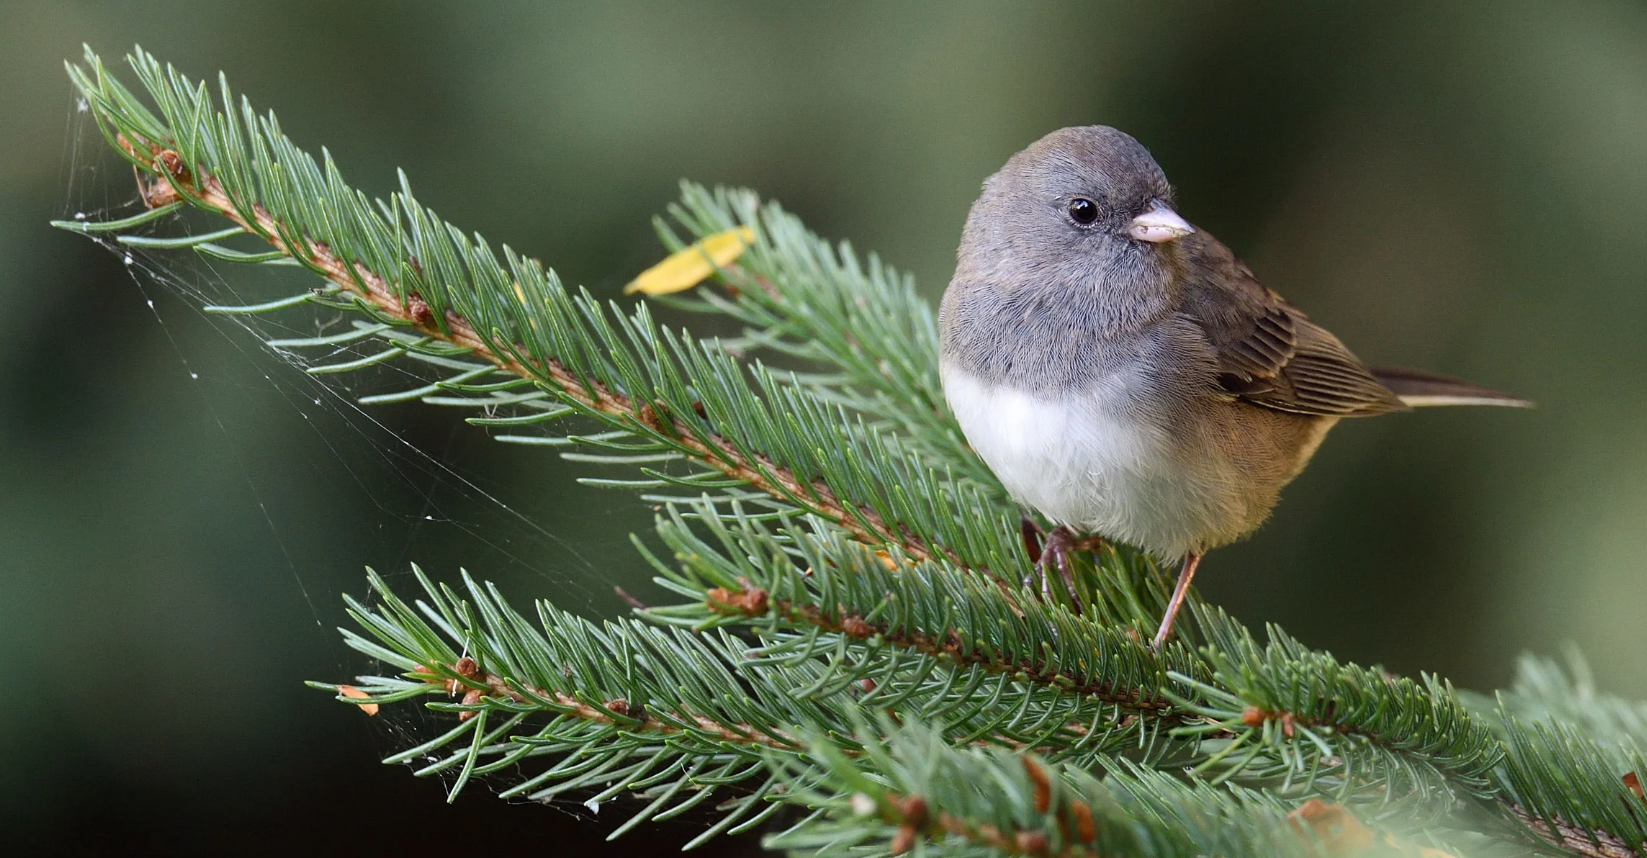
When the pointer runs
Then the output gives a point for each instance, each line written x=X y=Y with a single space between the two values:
x=1460 y=187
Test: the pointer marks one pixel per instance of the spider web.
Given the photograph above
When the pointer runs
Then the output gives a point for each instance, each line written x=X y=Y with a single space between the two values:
x=421 y=496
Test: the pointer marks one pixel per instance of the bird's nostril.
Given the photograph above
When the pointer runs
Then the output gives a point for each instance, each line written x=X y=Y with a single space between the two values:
x=1158 y=224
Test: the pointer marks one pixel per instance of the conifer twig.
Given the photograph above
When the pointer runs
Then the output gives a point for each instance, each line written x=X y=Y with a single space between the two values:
x=175 y=180
x=754 y=602
x=471 y=680
x=914 y=819
x=844 y=591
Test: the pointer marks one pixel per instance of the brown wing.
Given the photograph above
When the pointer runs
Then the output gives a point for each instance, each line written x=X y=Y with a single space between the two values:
x=1269 y=353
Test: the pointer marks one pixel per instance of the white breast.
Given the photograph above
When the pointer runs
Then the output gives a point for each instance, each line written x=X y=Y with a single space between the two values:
x=1096 y=462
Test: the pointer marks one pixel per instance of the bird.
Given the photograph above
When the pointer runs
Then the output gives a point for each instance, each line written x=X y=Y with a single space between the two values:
x=1124 y=374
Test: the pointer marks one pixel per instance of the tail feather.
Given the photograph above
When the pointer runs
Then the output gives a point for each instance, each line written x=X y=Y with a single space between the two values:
x=1420 y=389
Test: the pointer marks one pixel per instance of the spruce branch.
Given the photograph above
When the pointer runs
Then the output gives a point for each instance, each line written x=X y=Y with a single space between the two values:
x=409 y=310
x=920 y=637
x=1590 y=843
x=428 y=288
x=628 y=707
x=477 y=622
x=1571 y=789
x=1298 y=715
x=624 y=709
x=805 y=299
x=913 y=789
x=825 y=532
x=1548 y=690
x=1571 y=771
x=742 y=573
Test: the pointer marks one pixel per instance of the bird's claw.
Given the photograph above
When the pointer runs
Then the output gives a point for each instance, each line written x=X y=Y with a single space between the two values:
x=1055 y=555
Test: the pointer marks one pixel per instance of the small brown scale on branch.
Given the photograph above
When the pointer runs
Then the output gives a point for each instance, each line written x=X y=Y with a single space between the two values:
x=750 y=601
x=418 y=310
x=156 y=194
x=174 y=178
x=1255 y=717
x=754 y=601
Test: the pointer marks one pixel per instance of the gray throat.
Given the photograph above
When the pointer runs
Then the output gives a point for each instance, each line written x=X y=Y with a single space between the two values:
x=1045 y=341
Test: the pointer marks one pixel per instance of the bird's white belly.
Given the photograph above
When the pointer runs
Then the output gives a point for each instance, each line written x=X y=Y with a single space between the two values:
x=1090 y=461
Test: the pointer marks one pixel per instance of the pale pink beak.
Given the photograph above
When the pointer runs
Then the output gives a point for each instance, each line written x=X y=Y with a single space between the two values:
x=1159 y=224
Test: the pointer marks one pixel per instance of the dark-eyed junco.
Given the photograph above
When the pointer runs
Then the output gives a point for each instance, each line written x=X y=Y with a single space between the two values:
x=1124 y=374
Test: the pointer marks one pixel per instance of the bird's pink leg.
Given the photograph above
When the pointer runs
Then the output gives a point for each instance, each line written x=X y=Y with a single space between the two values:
x=1179 y=591
x=1030 y=532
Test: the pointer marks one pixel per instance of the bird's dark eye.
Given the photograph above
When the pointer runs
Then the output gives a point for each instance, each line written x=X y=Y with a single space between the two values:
x=1083 y=210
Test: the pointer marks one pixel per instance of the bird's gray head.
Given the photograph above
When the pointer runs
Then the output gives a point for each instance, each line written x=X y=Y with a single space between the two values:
x=1084 y=213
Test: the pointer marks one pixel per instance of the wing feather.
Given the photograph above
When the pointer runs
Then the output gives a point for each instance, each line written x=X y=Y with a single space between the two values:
x=1269 y=353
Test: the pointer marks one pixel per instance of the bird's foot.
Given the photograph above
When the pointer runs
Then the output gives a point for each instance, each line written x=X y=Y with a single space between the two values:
x=1055 y=554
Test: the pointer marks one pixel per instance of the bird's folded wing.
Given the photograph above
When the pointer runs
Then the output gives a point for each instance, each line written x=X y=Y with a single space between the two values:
x=1323 y=377
x=1268 y=352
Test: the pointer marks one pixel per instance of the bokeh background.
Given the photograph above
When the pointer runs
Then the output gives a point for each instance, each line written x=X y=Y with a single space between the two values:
x=1456 y=186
